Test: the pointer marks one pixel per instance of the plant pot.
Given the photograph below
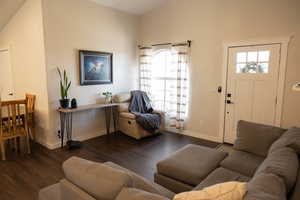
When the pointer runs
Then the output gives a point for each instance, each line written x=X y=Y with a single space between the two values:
x=64 y=103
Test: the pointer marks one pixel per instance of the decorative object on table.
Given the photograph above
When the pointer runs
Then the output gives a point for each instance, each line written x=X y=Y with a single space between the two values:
x=296 y=87
x=95 y=67
x=64 y=88
x=108 y=97
x=73 y=103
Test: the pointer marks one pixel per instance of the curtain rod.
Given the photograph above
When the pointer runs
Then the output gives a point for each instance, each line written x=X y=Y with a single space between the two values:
x=188 y=42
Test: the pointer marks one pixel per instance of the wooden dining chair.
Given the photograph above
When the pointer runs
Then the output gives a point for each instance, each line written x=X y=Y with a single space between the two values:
x=31 y=120
x=14 y=124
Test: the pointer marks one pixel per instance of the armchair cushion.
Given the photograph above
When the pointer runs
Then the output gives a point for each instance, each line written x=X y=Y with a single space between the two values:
x=127 y=115
x=122 y=98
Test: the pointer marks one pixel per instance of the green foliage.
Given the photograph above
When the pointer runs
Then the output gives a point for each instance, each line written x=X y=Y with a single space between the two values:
x=64 y=84
x=107 y=94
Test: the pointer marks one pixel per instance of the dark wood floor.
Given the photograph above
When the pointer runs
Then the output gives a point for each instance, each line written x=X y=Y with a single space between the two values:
x=22 y=176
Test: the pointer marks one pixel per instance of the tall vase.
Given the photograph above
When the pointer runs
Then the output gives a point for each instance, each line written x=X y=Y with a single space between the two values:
x=108 y=100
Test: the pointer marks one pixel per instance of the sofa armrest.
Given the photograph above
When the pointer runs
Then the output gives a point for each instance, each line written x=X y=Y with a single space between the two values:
x=71 y=191
x=98 y=180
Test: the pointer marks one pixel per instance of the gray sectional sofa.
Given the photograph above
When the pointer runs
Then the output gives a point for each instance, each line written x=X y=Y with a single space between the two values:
x=264 y=156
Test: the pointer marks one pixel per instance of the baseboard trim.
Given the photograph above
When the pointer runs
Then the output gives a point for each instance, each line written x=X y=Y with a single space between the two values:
x=197 y=134
x=202 y=136
x=83 y=137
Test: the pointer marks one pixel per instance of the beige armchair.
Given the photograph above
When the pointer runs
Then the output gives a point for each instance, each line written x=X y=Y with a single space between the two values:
x=127 y=121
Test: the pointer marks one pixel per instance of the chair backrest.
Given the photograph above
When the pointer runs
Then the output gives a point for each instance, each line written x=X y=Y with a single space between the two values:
x=13 y=114
x=30 y=102
x=124 y=100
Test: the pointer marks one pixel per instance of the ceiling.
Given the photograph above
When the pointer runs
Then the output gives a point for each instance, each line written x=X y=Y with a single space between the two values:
x=137 y=7
x=7 y=9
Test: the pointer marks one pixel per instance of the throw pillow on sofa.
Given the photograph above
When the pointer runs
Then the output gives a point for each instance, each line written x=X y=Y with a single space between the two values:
x=290 y=138
x=256 y=138
x=283 y=163
x=222 y=191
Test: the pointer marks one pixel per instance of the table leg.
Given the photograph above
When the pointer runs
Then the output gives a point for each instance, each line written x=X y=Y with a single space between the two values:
x=107 y=119
x=115 y=117
x=69 y=124
x=62 y=128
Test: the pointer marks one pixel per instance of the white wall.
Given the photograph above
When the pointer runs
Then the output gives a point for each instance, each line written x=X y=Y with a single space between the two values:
x=24 y=36
x=210 y=23
x=71 y=25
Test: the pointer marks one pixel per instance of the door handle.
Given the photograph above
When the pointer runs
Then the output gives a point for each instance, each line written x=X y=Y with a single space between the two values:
x=11 y=94
x=229 y=102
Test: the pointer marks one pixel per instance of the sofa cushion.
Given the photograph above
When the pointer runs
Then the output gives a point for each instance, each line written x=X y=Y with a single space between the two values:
x=136 y=194
x=191 y=164
x=266 y=187
x=256 y=138
x=242 y=162
x=295 y=193
x=51 y=192
x=222 y=191
x=172 y=184
x=71 y=191
x=283 y=163
x=100 y=181
x=221 y=175
x=290 y=137
x=142 y=183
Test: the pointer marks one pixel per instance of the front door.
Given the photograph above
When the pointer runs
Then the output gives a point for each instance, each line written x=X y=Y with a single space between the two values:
x=6 y=81
x=252 y=82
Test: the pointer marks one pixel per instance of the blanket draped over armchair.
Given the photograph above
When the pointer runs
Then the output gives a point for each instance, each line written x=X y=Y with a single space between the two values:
x=141 y=107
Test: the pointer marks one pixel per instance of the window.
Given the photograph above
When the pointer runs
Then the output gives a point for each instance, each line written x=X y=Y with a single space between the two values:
x=252 y=62
x=164 y=82
x=164 y=76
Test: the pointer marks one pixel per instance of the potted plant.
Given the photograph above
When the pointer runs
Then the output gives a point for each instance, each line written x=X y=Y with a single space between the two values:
x=108 y=97
x=64 y=88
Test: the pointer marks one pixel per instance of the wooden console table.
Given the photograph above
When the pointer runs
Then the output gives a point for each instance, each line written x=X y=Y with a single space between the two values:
x=66 y=121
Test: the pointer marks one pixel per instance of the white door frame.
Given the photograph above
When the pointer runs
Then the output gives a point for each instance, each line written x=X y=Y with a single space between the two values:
x=284 y=42
x=8 y=48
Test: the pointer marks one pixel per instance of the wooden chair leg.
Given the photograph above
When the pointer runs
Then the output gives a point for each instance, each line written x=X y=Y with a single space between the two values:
x=19 y=144
x=32 y=130
x=2 y=149
x=28 y=144
x=15 y=145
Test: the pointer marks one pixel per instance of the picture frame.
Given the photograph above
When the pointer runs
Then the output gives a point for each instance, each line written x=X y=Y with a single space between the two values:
x=96 y=68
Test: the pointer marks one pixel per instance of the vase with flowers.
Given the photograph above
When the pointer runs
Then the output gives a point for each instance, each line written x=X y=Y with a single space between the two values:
x=108 y=97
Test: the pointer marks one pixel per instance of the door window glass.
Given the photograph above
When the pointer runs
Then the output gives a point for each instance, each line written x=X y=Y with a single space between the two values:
x=252 y=62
